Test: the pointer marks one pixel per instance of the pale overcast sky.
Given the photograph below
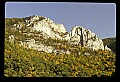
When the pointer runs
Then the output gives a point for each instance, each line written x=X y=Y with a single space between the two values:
x=100 y=18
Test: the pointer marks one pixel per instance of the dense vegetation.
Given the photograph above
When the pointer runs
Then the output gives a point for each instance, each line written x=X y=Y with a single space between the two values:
x=23 y=62
x=111 y=43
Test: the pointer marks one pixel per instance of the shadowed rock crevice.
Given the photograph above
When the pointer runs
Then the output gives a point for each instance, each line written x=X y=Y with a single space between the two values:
x=81 y=38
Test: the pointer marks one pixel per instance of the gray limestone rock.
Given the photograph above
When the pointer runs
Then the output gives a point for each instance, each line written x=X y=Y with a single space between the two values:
x=85 y=38
x=48 y=29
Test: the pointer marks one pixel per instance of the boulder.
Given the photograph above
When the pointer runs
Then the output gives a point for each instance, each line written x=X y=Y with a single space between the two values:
x=11 y=38
x=87 y=54
x=106 y=48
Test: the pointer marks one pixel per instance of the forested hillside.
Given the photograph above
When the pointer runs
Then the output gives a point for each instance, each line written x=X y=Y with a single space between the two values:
x=111 y=43
x=20 y=61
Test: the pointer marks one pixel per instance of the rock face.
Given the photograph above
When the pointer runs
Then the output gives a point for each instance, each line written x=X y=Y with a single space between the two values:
x=40 y=47
x=44 y=24
x=84 y=37
x=49 y=29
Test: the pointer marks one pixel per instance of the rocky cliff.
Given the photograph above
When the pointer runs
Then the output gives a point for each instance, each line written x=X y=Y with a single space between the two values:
x=44 y=29
x=84 y=37
x=43 y=24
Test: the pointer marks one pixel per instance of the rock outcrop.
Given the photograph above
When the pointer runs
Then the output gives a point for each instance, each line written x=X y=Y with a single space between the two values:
x=49 y=29
x=42 y=24
x=11 y=38
x=84 y=37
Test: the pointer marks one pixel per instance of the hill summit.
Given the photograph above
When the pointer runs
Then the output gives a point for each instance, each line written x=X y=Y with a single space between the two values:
x=35 y=46
x=43 y=29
